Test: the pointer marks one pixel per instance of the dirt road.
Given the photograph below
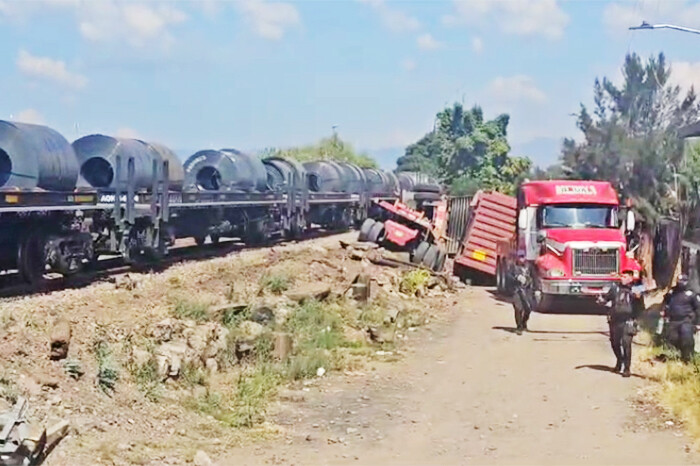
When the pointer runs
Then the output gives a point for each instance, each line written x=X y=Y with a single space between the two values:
x=472 y=392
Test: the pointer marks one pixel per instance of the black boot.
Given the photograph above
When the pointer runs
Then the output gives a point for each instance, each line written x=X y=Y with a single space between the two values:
x=626 y=372
x=618 y=366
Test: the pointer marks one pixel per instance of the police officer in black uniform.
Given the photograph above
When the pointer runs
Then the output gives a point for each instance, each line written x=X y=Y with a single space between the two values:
x=523 y=299
x=682 y=311
x=623 y=310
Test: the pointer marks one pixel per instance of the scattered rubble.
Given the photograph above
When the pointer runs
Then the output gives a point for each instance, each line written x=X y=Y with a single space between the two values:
x=22 y=443
x=60 y=339
x=191 y=362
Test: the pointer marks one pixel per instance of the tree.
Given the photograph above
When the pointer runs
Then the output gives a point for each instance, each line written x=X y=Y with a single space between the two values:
x=631 y=139
x=466 y=152
x=332 y=148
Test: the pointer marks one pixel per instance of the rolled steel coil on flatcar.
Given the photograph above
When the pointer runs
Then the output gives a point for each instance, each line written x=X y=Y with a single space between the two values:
x=354 y=176
x=34 y=156
x=225 y=170
x=393 y=182
x=176 y=172
x=280 y=170
x=406 y=181
x=378 y=182
x=326 y=176
x=412 y=181
x=98 y=154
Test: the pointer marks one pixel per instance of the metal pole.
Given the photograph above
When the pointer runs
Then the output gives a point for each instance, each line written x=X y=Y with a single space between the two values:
x=646 y=25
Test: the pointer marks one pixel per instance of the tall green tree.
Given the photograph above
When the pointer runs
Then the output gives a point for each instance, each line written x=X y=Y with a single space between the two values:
x=467 y=152
x=631 y=137
x=331 y=148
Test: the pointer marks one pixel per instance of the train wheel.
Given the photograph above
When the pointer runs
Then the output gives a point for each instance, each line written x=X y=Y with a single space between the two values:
x=419 y=252
x=214 y=239
x=430 y=257
x=200 y=240
x=365 y=229
x=255 y=234
x=32 y=260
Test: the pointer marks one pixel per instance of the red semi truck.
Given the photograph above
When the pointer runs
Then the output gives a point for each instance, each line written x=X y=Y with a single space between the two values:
x=567 y=231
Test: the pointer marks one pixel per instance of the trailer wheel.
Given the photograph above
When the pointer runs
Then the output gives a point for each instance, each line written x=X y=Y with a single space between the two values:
x=440 y=261
x=365 y=229
x=376 y=233
x=430 y=257
x=419 y=252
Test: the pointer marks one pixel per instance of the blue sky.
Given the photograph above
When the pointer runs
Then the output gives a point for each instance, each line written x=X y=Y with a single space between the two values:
x=256 y=73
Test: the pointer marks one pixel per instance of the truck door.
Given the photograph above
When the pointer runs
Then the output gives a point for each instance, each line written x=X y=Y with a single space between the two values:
x=527 y=229
x=527 y=232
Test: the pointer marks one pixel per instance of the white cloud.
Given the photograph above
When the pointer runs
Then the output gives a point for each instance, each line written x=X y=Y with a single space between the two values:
x=685 y=75
x=49 y=69
x=618 y=17
x=269 y=19
x=477 y=45
x=519 y=88
x=29 y=115
x=521 y=17
x=136 y=23
x=408 y=64
x=133 y=22
x=428 y=42
x=128 y=133
x=394 y=19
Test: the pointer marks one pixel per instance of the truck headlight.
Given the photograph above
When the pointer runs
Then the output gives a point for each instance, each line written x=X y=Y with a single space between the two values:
x=555 y=273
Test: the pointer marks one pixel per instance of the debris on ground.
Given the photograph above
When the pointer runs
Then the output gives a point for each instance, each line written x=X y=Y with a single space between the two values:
x=23 y=443
x=150 y=367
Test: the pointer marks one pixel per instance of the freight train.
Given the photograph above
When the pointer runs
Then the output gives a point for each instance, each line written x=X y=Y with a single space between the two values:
x=63 y=205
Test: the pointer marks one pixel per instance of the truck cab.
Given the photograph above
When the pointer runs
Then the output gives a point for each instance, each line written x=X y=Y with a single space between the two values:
x=571 y=238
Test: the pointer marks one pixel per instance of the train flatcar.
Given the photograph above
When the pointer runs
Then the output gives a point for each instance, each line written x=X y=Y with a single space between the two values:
x=63 y=205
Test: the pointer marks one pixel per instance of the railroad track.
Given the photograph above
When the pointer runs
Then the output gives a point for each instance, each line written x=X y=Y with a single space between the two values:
x=184 y=250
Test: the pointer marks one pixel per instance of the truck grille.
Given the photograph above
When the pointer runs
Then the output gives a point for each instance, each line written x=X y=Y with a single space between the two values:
x=595 y=261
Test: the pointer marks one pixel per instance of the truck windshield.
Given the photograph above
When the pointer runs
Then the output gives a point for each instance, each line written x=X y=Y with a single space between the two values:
x=578 y=216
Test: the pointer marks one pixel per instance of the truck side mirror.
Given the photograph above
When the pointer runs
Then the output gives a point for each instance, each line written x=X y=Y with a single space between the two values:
x=522 y=219
x=629 y=221
x=541 y=236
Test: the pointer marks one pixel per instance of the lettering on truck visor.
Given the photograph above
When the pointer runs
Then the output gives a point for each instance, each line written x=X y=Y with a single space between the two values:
x=575 y=189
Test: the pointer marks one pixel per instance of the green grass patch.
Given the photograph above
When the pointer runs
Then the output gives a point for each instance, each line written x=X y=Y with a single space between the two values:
x=276 y=282
x=304 y=365
x=246 y=406
x=191 y=374
x=191 y=309
x=107 y=372
x=679 y=389
x=148 y=380
x=316 y=327
x=414 y=280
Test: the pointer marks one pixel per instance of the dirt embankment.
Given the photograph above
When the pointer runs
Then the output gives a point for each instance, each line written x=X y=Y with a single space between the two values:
x=162 y=366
